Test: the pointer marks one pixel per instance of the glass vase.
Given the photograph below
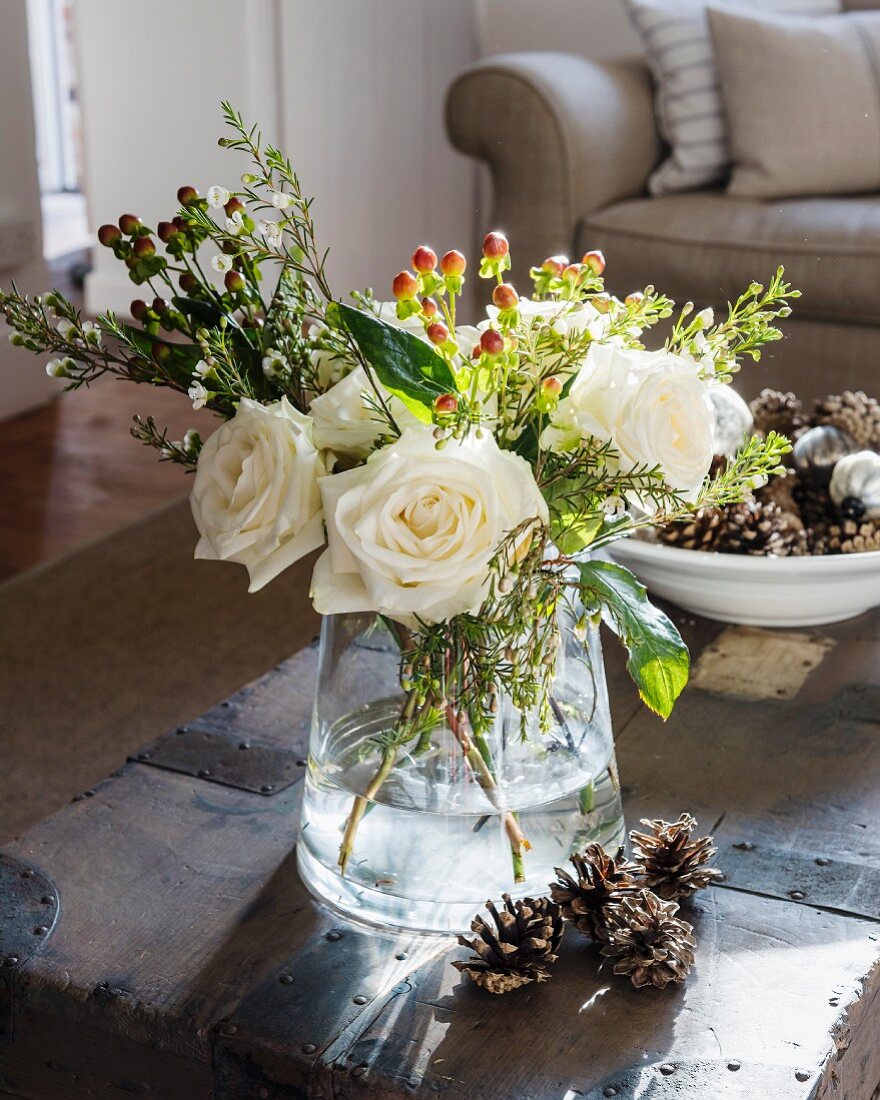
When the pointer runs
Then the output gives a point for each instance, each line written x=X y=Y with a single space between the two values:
x=426 y=829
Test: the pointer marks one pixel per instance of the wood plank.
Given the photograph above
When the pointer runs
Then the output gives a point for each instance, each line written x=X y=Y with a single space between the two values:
x=758 y=1000
x=201 y=955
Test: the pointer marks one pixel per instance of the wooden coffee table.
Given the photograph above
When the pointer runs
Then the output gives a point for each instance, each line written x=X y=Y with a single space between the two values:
x=172 y=952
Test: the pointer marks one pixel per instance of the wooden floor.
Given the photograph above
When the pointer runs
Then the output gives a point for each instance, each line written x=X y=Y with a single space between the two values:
x=71 y=472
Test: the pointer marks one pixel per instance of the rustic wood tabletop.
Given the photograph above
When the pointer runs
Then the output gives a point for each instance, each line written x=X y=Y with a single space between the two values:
x=156 y=942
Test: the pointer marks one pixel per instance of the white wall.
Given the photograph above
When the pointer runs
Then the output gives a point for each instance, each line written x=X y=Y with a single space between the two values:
x=352 y=91
x=23 y=384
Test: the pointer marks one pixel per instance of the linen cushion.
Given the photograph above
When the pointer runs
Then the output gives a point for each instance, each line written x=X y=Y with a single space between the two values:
x=678 y=47
x=802 y=98
x=709 y=246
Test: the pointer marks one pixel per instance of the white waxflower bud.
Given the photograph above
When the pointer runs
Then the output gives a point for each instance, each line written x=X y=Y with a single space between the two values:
x=191 y=441
x=221 y=262
x=217 y=197
x=55 y=369
x=281 y=201
x=65 y=328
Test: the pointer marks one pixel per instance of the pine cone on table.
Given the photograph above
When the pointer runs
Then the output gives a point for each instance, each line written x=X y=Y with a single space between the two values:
x=649 y=944
x=760 y=529
x=598 y=881
x=780 y=490
x=854 y=413
x=518 y=950
x=700 y=531
x=672 y=864
x=774 y=411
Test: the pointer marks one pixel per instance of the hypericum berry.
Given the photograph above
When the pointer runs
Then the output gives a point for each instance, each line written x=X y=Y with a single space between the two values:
x=234 y=204
x=492 y=342
x=438 y=333
x=179 y=224
x=108 y=235
x=634 y=298
x=188 y=282
x=552 y=386
x=505 y=296
x=495 y=245
x=144 y=247
x=572 y=273
x=424 y=259
x=187 y=195
x=166 y=231
x=555 y=265
x=234 y=282
x=161 y=352
x=405 y=286
x=129 y=224
x=138 y=309
x=429 y=307
x=601 y=302
x=159 y=305
x=594 y=260
x=446 y=403
x=453 y=262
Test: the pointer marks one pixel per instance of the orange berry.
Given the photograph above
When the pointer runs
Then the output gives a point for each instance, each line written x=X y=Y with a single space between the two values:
x=446 y=403
x=555 y=265
x=438 y=333
x=453 y=263
x=552 y=385
x=404 y=287
x=594 y=260
x=429 y=307
x=495 y=245
x=492 y=342
x=424 y=259
x=505 y=296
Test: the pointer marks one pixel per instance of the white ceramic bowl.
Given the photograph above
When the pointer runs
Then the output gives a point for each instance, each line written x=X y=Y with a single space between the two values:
x=756 y=591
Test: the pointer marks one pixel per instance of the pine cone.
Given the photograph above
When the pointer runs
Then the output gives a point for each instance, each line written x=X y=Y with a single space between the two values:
x=673 y=865
x=847 y=536
x=854 y=413
x=599 y=880
x=814 y=503
x=780 y=490
x=701 y=531
x=775 y=411
x=759 y=529
x=518 y=950
x=649 y=943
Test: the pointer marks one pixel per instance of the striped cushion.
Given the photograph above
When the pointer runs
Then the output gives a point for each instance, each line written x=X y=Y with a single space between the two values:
x=690 y=114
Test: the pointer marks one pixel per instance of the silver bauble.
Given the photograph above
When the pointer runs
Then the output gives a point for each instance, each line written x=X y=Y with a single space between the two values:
x=856 y=481
x=818 y=450
x=733 y=420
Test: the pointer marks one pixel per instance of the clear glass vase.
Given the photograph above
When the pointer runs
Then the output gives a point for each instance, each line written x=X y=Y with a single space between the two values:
x=427 y=832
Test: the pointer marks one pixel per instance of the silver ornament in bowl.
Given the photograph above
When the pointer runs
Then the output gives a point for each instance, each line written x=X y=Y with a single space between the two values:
x=733 y=420
x=818 y=450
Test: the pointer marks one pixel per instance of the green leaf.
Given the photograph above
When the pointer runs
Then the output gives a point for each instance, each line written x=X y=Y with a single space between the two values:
x=405 y=365
x=206 y=313
x=659 y=661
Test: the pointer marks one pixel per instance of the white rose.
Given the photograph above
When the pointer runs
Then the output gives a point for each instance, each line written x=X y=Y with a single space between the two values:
x=412 y=532
x=652 y=407
x=346 y=419
x=255 y=498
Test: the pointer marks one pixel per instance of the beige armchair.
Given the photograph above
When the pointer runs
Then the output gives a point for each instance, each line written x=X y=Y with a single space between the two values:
x=570 y=143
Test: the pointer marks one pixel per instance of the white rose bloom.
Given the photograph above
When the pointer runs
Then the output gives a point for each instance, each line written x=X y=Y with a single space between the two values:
x=651 y=406
x=412 y=532
x=347 y=422
x=255 y=498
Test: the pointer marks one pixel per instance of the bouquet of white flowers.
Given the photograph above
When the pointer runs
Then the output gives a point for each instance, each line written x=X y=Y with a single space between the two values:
x=459 y=477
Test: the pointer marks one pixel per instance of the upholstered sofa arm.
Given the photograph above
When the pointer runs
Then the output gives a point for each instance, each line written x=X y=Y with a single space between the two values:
x=562 y=136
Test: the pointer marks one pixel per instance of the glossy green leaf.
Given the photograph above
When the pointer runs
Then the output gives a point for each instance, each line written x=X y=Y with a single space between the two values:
x=405 y=365
x=659 y=661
